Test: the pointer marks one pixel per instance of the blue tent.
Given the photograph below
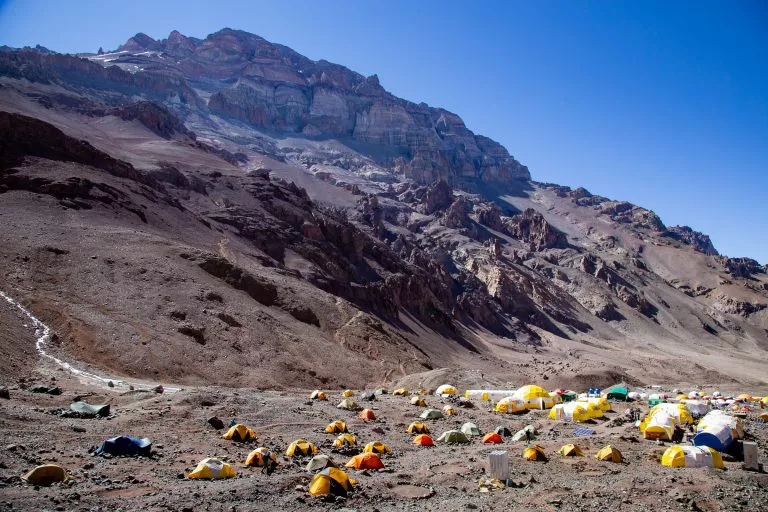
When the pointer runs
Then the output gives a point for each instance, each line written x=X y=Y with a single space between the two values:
x=125 y=445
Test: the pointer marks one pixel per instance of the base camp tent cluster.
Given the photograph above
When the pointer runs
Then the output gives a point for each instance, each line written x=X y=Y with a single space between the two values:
x=715 y=431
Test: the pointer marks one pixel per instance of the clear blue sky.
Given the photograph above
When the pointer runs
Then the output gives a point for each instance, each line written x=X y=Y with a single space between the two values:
x=664 y=104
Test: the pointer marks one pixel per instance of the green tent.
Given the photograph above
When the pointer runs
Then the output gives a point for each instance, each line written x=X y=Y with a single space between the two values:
x=470 y=429
x=431 y=414
x=453 y=437
x=569 y=396
x=656 y=401
x=617 y=392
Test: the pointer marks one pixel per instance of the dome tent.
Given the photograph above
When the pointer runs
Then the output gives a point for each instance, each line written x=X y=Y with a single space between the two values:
x=212 y=469
x=331 y=481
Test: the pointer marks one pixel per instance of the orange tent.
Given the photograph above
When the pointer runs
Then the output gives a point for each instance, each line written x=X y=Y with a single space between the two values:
x=367 y=414
x=423 y=440
x=492 y=437
x=365 y=460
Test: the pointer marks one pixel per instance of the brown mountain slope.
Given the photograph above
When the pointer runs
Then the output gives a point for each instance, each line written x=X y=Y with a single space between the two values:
x=156 y=252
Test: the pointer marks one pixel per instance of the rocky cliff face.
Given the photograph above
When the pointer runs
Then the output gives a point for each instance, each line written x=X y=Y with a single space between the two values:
x=289 y=207
x=269 y=86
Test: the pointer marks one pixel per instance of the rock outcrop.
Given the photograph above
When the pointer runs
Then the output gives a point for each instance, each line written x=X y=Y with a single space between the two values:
x=699 y=241
x=531 y=227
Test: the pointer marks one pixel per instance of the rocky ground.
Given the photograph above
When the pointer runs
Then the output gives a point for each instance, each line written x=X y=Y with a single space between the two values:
x=438 y=478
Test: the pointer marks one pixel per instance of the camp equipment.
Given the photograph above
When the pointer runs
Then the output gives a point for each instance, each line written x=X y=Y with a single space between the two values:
x=319 y=462
x=534 y=453
x=259 y=456
x=570 y=411
x=299 y=448
x=212 y=469
x=525 y=434
x=344 y=440
x=87 y=410
x=240 y=433
x=349 y=405
x=431 y=414
x=610 y=454
x=331 y=481
x=503 y=431
x=376 y=447
x=510 y=404
x=125 y=445
x=680 y=456
x=488 y=394
x=318 y=395
x=453 y=437
x=449 y=410
x=347 y=393
x=718 y=430
x=400 y=392
x=570 y=450
x=336 y=427
x=367 y=414
x=366 y=460
x=470 y=429
x=423 y=440
x=535 y=397
x=417 y=427
x=418 y=401
x=617 y=392
x=492 y=437
x=45 y=475
x=446 y=390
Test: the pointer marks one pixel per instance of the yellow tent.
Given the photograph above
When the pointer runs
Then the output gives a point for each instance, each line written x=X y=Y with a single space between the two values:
x=46 y=475
x=448 y=410
x=609 y=454
x=534 y=397
x=764 y=401
x=349 y=405
x=212 y=469
x=376 y=447
x=417 y=427
x=331 y=481
x=344 y=440
x=418 y=401
x=601 y=402
x=679 y=456
x=763 y=416
x=679 y=412
x=348 y=393
x=299 y=448
x=744 y=396
x=534 y=452
x=401 y=392
x=570 y=450
x=336 y=427
x=570 y=411
x=240 y=433
x=258 y=456
x=318 y=395
x=593 y=409
x=659 y=426
x=510 y=404
x=446 y=389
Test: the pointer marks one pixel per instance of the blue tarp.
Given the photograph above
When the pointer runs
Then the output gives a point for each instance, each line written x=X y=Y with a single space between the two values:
x=125 y=445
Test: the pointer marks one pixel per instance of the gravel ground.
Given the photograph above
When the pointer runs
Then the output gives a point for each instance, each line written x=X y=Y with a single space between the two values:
x=446 y=477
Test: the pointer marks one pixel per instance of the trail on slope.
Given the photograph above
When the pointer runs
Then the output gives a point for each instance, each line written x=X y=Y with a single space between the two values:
x=43 y=336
